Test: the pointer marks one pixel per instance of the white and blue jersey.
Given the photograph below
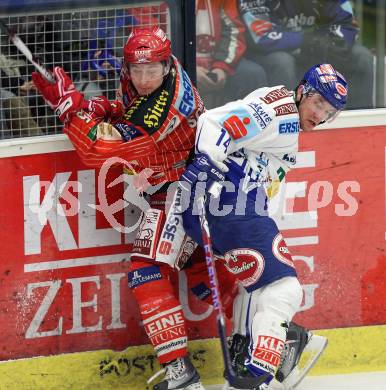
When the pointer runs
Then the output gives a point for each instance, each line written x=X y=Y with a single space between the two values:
x=256 y=139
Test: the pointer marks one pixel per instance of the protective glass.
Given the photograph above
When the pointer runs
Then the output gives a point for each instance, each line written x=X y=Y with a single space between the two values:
x=148 y=71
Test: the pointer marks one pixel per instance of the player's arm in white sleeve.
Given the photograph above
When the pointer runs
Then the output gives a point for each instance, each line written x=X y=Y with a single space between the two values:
x=240 y=124
x=212 y=139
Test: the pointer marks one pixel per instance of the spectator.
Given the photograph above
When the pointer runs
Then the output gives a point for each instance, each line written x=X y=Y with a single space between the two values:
x=15 y=115
x=221 y=67
x=74 y=38
x=287 y=36
x=25 y=111
x=53 y=41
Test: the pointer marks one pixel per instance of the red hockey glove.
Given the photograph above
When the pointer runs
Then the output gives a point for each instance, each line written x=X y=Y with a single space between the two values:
x=116 y=110
x=61 y=96
x=100 y=108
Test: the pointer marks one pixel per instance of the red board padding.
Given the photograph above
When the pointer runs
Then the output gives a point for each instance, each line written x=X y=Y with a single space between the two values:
x=90 y=307
x=349 y=260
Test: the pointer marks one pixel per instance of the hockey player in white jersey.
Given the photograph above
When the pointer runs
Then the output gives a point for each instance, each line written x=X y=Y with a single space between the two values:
x=244 y=150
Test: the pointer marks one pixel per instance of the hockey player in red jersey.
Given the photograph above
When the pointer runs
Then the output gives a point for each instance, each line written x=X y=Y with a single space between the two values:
x=152 y=126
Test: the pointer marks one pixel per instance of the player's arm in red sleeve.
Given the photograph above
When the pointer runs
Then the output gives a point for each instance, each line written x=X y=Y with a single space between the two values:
x=95 y=146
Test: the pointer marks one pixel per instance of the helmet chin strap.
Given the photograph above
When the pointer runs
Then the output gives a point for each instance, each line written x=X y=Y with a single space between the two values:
x=167 y=66
x=297 y=101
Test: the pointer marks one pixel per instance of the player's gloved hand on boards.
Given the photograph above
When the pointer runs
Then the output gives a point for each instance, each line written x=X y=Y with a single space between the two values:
x=61 y=96
x=202 y=168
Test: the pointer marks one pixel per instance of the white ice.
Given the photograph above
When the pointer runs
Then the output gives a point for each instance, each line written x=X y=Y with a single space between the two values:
x=357 y=381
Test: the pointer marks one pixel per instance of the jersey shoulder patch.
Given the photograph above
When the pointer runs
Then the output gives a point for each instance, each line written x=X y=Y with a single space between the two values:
x=246 y=119
x=275 y=94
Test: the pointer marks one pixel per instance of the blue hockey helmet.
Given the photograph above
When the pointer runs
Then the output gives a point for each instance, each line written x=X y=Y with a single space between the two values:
x=328 y=82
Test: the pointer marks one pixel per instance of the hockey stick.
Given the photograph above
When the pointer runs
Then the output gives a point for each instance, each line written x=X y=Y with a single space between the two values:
x=233 y=379
x=27 y=52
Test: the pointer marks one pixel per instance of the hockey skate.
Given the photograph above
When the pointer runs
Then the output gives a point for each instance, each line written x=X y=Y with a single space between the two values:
x=301 y=351
x=180 y=374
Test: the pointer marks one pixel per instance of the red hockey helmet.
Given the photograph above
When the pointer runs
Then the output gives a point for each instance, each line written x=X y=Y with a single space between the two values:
x=147 y=45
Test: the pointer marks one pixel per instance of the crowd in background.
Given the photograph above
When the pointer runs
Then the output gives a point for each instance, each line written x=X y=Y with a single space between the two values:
x=249 y=42
x=241 y=45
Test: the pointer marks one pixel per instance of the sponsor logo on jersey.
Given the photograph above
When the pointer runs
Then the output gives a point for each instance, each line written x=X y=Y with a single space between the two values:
x=235 y=126
x=134 y=107
x=240 y=124
x=261 y=116
x=144 y=275
x=170 y=229
x=185 y=100
x=142 y=246
x=152 y=118
x=281 y=251
x=247 y=264
x=286 y=109
x=275 y=95
x=162 y=347
x=127 y=130
x=166 y=330
x=148 y=233
x=289 y=126
x=85 y=116
x=267 y=353
x=164 y=322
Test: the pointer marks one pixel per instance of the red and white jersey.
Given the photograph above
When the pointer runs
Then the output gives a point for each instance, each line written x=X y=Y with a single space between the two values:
x=256 y=137
x=161 y=140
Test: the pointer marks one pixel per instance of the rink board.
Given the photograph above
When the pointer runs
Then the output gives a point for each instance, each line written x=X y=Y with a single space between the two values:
x=350 y=350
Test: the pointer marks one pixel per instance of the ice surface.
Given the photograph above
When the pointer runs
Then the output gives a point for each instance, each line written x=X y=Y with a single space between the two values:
x=357 y=381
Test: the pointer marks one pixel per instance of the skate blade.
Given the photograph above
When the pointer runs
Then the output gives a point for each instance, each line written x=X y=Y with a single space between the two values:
x=195 y=386
x=225 y=386
x=310 y=356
